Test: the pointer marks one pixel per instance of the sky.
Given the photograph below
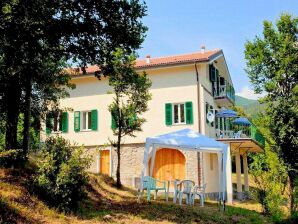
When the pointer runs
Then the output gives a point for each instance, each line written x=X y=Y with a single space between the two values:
x=182 y=26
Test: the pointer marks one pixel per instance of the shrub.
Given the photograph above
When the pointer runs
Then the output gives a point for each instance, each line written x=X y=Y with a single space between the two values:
x=269 y=174
x=12 y=157
x=61 y=174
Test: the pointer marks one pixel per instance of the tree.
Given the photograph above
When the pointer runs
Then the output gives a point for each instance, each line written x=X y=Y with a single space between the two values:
x=272 y=66
x=131 y=95
x=39 y=36
x=269 y=173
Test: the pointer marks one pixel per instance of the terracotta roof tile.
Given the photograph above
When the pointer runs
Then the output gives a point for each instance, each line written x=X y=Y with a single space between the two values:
x=162 y=61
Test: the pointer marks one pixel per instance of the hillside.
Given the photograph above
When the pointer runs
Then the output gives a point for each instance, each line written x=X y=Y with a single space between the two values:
x=106 y=204
x=251 y=107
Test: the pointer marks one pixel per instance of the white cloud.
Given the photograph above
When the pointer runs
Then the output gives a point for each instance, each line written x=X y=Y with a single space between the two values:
x=249 y=93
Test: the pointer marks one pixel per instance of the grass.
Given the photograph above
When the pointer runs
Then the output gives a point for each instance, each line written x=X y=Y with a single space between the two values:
x=107 y=204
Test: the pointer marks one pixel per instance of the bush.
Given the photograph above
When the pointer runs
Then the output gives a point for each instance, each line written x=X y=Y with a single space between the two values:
x=61 y=174
x=269 y=174
x=12 y=157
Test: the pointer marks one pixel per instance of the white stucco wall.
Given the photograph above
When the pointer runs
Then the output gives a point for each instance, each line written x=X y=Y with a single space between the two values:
x=174 y=84
x=169 y=85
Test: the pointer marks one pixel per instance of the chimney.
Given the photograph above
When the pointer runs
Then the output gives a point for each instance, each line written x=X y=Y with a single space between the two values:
x=148 y=58
x=203 y=48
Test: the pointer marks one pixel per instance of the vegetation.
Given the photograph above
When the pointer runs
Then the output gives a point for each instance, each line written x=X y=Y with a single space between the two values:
x=131 y=94
x=38 y=37
x=105 y=203
x=272 y=66
x=61 y=174
x=251 y=107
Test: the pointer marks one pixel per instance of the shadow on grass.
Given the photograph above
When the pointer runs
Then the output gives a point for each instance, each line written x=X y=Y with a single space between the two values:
x=8 y=214
x=97 y=206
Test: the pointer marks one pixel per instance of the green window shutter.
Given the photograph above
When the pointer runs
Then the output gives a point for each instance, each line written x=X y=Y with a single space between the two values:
x=94 y=120
x=212 y=73
x=216 y=120
x=114 y=125
x=189 y=113
x=49 y=124
x=132 y=120
x=77 y=120
x=206 y=112
x=212 y=123
x=64 y=122
x=168 y=114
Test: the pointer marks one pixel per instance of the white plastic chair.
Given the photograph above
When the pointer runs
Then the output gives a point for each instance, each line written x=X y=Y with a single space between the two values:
x=198 y=191
x=176 y=190
x=238 y=134
x=185 y=187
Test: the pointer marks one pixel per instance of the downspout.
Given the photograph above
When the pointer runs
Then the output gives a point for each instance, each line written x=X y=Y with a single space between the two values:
x=198 y=97
x=199 y=154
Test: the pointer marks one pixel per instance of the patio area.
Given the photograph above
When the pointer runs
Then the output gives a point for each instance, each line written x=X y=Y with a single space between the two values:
x=181 y=141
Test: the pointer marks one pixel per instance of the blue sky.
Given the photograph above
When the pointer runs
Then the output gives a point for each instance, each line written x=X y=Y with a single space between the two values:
x=181 y=26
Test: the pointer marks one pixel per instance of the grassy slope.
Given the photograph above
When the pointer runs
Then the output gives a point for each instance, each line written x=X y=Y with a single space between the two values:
x=17 y=205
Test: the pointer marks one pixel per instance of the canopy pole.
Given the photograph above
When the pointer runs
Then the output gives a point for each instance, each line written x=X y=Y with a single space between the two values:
x=152 y=160
x=145 y=160
x=219 y=159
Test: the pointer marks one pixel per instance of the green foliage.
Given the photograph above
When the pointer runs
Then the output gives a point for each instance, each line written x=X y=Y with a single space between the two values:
x=251 y=107
x=50 y=33
x=9 y=158
x=34 y=133
x=61 y=174
x=270 y=176
x=272 y=66
x=269 y=173
x=131 y=95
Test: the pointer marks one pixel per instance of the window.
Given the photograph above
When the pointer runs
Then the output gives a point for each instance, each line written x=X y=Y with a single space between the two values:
x=57 y=124
x=57 y=121
x=86 y=120
x=179 y=113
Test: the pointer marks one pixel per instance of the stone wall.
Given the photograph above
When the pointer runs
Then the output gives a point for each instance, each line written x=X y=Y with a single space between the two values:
x=132 y=163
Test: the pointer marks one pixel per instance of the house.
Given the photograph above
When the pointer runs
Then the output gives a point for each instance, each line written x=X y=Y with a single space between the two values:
x=185 y=89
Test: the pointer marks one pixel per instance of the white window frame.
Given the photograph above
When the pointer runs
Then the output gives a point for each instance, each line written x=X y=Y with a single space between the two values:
x=179 y=114
x=87 y=120
x=58 y=131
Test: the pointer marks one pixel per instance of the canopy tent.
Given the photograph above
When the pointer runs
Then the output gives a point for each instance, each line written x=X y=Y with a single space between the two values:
x=190 y=140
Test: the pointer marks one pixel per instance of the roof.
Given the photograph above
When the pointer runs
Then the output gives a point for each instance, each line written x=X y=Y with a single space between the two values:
x=189 y=139
x=163 y=61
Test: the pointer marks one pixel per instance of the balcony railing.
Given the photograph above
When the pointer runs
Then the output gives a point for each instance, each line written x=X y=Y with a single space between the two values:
x=225 y=91
x=242 y=132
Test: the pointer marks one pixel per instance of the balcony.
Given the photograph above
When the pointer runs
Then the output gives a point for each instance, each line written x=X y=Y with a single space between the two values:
x=222 y=90
x=240 y=133
x=224 y=95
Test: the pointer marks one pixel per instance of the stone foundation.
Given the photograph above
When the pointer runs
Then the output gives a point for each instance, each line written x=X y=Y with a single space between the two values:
x=132 y=163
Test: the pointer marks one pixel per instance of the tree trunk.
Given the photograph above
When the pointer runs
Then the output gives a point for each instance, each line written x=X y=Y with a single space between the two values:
x=291 y=177
x=27 y=116
x=118 y=183
x=12 y=101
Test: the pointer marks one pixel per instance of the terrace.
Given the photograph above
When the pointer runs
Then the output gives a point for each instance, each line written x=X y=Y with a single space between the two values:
x=243 y=137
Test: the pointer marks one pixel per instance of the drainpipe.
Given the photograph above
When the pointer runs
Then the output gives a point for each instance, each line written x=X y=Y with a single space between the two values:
x=199 y=154
x=198 y=95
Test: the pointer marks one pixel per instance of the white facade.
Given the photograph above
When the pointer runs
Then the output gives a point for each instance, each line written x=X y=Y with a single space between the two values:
x=170 y=84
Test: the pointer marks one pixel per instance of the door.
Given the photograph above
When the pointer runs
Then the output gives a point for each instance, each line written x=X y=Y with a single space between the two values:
x=105 y=162
x=169 y=165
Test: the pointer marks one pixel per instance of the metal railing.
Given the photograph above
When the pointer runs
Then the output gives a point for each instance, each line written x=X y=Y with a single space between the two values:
x=249 y=132
x=225 y=91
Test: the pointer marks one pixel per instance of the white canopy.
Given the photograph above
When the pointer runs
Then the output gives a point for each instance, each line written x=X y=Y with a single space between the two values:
x=188 y=139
